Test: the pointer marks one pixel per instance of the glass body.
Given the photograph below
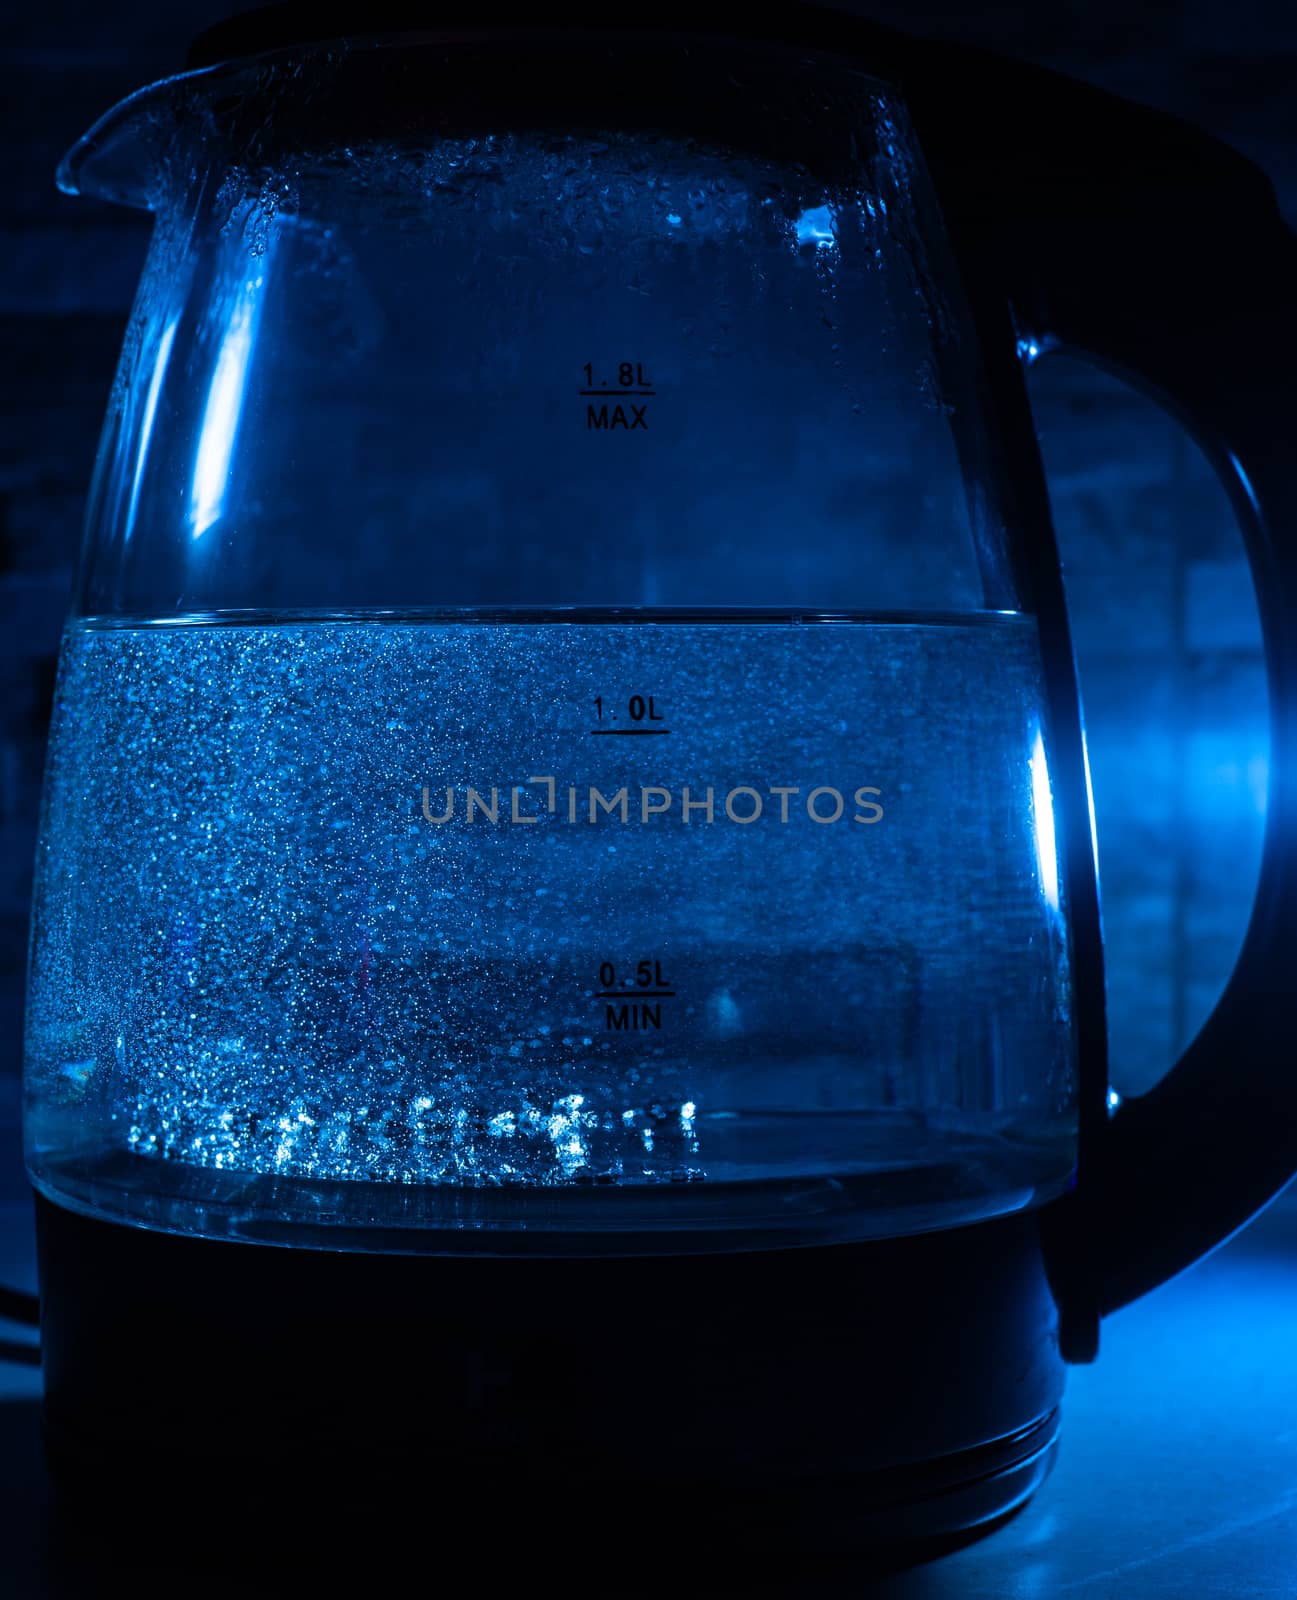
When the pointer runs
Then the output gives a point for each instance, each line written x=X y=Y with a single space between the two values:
x=549 y=751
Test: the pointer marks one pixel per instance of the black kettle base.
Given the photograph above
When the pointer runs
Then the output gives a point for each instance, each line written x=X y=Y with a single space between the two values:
x=887 y=1521
x=890 y=1395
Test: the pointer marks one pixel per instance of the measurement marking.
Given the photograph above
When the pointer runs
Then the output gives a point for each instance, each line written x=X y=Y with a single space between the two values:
x=626 y=733
x=640 y=994
x=602 y=394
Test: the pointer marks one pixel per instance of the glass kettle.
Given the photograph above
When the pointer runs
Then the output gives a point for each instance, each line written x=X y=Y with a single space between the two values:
x=566 y=756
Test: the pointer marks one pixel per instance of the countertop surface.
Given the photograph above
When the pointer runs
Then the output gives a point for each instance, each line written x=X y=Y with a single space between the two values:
x=1177 y=1476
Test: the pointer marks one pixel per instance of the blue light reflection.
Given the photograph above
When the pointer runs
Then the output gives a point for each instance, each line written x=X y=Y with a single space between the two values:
x=160 y=362
x=1042 y=817
x=815 y=226
x=224 y=408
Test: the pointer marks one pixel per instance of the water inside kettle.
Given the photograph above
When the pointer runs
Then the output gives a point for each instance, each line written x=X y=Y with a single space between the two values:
x=421 y=920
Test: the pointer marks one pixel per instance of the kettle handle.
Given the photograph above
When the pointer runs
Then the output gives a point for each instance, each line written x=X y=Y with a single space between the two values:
x=1200 y=311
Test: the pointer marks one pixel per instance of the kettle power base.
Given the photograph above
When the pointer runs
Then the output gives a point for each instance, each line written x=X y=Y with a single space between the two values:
x=834 y=1398
x=894 y=1523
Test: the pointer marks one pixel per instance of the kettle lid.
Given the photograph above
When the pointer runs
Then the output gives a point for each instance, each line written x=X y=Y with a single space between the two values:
x=292 y=24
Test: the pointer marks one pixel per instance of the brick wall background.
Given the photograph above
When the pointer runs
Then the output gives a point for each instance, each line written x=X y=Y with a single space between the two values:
x=1165 y=620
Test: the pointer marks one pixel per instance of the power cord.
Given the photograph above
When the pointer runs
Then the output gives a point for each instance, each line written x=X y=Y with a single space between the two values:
x=16 y=1305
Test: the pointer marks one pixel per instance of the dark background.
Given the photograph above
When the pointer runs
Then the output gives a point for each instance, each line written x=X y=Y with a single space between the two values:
x=1165 y=619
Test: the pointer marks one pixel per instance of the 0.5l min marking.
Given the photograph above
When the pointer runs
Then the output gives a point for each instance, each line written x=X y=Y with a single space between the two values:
x=633 y=1015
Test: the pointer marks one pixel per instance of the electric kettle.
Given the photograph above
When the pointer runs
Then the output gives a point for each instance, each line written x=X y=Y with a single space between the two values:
x=566 y=935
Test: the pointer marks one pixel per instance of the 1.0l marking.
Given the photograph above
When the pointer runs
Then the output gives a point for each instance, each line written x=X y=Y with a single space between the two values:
x=639 y=708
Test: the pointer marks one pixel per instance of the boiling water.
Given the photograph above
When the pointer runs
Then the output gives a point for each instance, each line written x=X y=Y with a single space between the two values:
x=621 y=923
